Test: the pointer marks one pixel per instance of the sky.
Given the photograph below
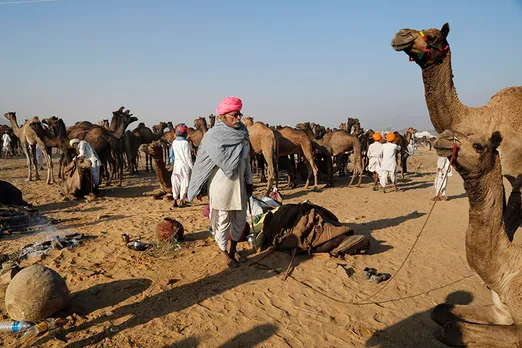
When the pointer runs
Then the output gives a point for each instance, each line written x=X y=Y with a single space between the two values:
x=289 y=61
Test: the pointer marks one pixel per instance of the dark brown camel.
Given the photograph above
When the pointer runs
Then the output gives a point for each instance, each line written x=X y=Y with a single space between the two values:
x=155 y=150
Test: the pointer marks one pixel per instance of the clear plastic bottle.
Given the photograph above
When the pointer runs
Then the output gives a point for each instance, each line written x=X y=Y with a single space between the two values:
x=14 y=326
x=40 y=327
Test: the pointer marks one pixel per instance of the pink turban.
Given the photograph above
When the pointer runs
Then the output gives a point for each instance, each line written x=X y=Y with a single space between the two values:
x=229 y=104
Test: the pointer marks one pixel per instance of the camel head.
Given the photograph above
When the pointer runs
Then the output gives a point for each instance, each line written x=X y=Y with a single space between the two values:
x=39 y=129
x=153 y=149
x=425 y=47
x=11 y=115
x=343 y=126
x=247 y=121
x=57 y=127
x=200 y=122
x=475 y=155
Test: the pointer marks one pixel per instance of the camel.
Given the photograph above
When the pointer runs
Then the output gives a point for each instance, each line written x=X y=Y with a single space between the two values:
x=54 y=136
x=263 y=142
x=212 y=119
x=29 y=141
x=336 y=144
x=146 y=136
x=351 y=123
x=430 y=50
x=104 y=123
x=194 y=137
x=106 y=142
x=490 y=253
x=155 y=151
x=166 y=138
x=293 y=141
x=78 y=178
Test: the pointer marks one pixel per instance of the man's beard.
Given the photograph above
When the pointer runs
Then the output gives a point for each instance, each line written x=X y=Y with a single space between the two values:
x=237 y=124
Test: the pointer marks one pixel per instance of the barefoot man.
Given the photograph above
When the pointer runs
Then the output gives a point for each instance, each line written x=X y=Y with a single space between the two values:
x=223 y=160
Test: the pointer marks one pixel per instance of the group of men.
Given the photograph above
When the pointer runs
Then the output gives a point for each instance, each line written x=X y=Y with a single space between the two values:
x=382 y=161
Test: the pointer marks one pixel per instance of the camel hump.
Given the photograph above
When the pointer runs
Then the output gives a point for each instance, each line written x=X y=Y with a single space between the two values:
x=513 y=93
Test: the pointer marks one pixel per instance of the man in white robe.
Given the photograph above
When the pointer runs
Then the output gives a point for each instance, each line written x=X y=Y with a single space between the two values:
x=182 y=167
x=374 y=158
x=389 y=162
x=444 y=170
x=6 y=145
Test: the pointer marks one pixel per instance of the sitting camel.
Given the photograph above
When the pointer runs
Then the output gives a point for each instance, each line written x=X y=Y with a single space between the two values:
x=78 y=178
x=489 y=251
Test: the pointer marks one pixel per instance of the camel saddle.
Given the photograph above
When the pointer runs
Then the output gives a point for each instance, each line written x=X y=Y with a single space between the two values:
x=310 y=228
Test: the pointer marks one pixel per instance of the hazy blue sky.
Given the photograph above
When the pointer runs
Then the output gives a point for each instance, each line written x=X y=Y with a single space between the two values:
x=289 y=61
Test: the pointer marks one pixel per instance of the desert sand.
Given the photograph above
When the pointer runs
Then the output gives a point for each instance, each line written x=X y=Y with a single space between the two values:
x=188 y=298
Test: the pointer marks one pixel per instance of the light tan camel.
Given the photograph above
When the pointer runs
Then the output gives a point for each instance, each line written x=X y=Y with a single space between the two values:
x=293 y=141
x=489 y=251
x=430 y=49
x=263 y=142
x=29 y=141
x=337 y=143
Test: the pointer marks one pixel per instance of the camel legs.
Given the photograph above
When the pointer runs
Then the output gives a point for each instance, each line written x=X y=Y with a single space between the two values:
x=356 y=170
x=312 y=168
x=28 y=155
x=272 y=171
x=48 y=155
x=488 y=314
x=32 y=151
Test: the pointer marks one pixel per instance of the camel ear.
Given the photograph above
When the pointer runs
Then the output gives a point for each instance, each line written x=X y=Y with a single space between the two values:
x=496 y=139
x=445 y=30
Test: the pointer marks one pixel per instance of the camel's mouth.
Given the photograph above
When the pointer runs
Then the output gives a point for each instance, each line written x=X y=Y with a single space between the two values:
x=402 y=40
x=444 y=147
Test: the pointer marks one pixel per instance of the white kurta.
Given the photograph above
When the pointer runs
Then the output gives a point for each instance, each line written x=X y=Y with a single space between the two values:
x=86 y=150
x=182 y=168
x=6 y=142
x=443 y=164
x=228 y=200
x=388 y=164
x=374 y=157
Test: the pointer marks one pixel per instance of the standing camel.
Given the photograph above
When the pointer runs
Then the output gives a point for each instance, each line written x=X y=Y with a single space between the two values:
x=194 y=138
x=430 y=50
x=59 y=140
x=489 y=252
x=29 y=141
x=403 y=141
x=146 y=136
x=263 y=142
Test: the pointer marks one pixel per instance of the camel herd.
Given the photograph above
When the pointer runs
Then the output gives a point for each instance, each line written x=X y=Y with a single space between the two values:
x=320 y=149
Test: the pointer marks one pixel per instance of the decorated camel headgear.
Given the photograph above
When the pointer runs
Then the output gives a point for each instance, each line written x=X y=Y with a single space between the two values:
x=74 y=142
x=229 y=104
x=390 y=137
x=377 y=136
x=181 y=129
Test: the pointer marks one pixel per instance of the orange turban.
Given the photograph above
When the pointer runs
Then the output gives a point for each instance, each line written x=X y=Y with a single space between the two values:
x=377 y=136
x=390 y=137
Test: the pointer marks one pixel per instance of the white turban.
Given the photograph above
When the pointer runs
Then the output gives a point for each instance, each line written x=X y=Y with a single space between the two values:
x=73 y=142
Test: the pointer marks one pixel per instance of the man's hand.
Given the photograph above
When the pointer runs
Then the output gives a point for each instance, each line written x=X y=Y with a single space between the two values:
x=249 y=189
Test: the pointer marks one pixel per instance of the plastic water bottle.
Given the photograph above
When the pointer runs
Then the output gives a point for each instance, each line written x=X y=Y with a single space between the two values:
x=14 y=326
x=40 y=327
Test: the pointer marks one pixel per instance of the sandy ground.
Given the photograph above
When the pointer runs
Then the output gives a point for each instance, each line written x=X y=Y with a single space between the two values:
x=187 y=298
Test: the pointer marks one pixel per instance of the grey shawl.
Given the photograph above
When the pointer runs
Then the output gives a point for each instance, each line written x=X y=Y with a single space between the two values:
x=221 y=146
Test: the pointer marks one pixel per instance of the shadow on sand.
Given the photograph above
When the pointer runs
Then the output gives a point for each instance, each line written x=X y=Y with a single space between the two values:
x=416 y=330
x=172 y=300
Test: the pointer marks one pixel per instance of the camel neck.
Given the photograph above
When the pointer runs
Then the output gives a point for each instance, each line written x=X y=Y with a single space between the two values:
x=16 y=129
x=486 y=239
x=443 y=103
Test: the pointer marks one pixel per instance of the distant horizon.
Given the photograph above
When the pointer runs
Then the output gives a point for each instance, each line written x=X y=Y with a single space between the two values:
x=289 y=61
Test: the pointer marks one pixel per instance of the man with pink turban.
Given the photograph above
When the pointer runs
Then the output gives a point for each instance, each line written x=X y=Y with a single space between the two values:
x=182 y=168
x=223 y=160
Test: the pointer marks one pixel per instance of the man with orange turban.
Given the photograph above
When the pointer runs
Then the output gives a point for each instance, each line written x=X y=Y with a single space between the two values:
x=374 y=158
x=389 y=162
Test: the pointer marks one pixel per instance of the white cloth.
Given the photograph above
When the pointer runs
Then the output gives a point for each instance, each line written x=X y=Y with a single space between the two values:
x=230 y=194
x=374 y=157
x=6 y=142
x=386 y=176
x=86 y=150
x=182 y=169
x=39 y=156
x=443 y=164
x=225 y=223
x=389 y=159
